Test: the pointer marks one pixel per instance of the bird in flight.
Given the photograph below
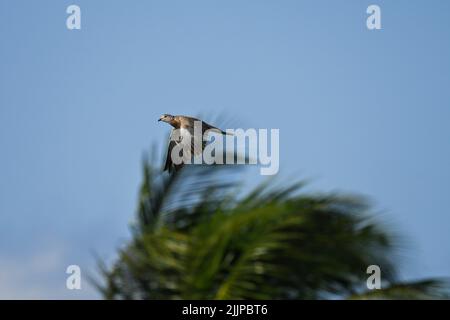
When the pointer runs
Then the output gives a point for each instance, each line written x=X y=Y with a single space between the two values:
x=185 y=136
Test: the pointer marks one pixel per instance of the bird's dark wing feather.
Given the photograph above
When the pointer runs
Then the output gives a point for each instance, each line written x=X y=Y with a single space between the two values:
x=186 y=139
x=168 y=165
x=207 y=126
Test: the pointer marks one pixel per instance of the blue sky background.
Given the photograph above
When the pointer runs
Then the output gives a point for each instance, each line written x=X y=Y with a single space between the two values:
x=358 y=110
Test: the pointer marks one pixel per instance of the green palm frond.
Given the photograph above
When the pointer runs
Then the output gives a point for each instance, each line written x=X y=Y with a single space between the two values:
x=424 y=289
x=200 y=238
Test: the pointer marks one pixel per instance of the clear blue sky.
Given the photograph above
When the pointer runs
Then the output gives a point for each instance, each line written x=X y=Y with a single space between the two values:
x=358 y=110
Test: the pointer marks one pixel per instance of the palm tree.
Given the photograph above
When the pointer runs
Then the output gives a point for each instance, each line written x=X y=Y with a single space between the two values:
x=197 y=236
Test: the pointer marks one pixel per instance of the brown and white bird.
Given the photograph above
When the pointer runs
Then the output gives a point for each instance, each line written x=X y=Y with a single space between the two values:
x=185 y=136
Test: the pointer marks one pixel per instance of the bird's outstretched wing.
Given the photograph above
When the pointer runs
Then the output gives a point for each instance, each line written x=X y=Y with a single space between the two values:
x=169 y=166
x=190 y=121
x=207 y=126
x=186 y=141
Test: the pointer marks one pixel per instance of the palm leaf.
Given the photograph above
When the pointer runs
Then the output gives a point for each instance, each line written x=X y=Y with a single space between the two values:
x=198 y=237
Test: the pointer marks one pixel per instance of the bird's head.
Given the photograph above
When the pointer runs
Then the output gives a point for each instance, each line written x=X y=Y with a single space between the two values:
x=166 y=118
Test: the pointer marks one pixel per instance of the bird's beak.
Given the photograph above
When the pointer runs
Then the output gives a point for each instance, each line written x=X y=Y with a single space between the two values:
x=159 y=119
